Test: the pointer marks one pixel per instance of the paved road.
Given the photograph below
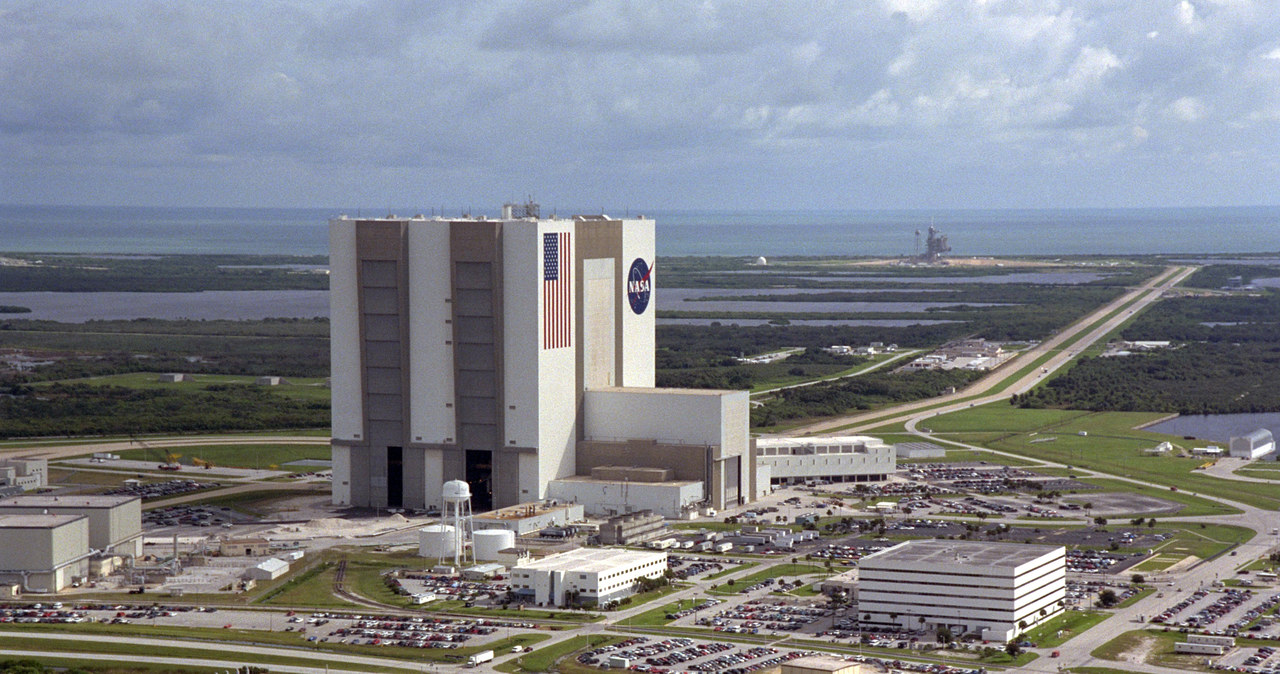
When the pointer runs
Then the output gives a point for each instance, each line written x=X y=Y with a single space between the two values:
x=870 y=368
x=1144 y=295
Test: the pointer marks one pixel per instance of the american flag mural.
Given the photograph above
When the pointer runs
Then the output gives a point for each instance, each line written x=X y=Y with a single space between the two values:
x=556 y=316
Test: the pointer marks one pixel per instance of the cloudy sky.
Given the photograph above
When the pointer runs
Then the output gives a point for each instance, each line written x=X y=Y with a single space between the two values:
x=659 y=105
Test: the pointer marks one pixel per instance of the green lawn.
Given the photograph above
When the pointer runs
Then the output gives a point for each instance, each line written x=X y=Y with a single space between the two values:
x=1070 y=623
x=1111 y=445
x=313 y=588
x=307 y=388
x=732 y=569
x=543 y=659
x=658 y=616
x=235 y=456
x=778 y=571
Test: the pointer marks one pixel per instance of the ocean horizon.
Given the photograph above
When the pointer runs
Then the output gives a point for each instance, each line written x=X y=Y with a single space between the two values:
x=971 y=232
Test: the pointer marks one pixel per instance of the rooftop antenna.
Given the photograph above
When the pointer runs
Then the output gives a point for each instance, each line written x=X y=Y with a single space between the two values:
x=917 y=243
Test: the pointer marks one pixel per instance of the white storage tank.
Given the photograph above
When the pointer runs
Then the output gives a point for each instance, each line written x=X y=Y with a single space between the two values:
x=437 y=541
x=487 y=542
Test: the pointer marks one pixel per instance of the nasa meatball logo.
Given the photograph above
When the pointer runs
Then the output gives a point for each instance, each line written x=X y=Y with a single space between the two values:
x=639 y=285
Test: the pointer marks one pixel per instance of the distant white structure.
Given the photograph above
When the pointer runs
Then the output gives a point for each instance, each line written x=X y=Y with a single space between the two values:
x=761 y=262
x=853 y=458
x=1160 y=449
x=267 y=569
x=1253 y=445
x=27 y=473
x=1211 y=450
x=267 y=381
x=173 y=377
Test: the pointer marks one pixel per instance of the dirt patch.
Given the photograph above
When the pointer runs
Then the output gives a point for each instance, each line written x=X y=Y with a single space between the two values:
x=1141 y=651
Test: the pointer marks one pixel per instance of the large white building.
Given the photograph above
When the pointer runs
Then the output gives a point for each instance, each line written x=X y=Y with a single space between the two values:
x=115 y=522
x=997 y=590
x=1253 y=445
x=44 y=552
x=508 y=353
x=853 y=458
x=585 y=576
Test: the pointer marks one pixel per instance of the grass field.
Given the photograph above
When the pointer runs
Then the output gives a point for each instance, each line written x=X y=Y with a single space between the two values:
x=1159 y=645
x=312 y=588
x=543 y=659
x=1070 y=623
x=306 y=388
x=778 y=571
x=1109 y=444
x=658 y=616
x=234 y=456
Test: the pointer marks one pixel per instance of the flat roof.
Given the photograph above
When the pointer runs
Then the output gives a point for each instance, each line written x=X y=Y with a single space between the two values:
x=630 y=483
x=936 y=551
x=826 y=663
x=817 y=440
x=89 y=501
x=522 y=510
x=590 y=560
x=36 y=521
x=663 y=391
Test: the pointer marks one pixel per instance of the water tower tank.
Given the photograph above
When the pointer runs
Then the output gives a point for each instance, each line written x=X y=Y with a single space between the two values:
x=456 y=491
x=437 y=540
x=487 y=542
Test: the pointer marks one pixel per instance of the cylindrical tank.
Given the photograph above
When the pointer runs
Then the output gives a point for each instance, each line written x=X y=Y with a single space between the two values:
x=456 y=491
x=487 y=542
x=437 y=540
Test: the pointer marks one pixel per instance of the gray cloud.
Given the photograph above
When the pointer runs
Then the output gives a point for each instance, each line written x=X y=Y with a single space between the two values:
x=673 y=104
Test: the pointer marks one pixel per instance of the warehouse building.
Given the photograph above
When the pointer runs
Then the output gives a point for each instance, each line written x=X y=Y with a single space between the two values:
x=44 y=552
x=995 y=590
x=616 y=490
x=854 y=458
x=585 y=576
x=509 y=353
x=526 y=518
x=115 y=522
x=1253 y=445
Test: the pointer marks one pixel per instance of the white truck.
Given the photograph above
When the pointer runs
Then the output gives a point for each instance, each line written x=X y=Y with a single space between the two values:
x=479 y=658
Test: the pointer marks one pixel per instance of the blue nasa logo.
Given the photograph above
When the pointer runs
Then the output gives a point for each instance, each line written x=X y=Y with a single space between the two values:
x=639 y=285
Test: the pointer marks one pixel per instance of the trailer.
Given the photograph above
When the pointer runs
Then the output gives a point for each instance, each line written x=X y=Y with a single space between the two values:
x=480 y=658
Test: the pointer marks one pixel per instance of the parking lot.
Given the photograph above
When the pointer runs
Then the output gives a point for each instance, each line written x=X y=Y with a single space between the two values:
x=1224 y=611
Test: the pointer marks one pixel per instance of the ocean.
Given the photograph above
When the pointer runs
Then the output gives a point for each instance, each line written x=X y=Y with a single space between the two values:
x=304 y=231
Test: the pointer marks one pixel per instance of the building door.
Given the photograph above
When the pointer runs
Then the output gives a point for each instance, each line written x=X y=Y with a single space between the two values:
x=395 y=477
x=480 y=477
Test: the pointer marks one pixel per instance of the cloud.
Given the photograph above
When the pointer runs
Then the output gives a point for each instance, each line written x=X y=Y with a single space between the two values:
x=664 y=102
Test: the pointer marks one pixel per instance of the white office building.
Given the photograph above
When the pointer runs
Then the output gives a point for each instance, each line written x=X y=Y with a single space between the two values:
x=507 y=353
x=1253 y=445
x=585 y=576
x=853 y=458
x=996 y=590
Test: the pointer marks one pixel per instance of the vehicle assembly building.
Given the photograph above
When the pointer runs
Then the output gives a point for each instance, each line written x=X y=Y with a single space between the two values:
x=511 y=353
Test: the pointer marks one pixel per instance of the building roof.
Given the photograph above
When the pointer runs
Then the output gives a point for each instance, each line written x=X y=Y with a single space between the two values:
x=523 y=510
x=818 y=441
x=592 y=560
x=631 y=483
x=37 y=521
x=272 y=565
x=664 y=391
x=821 y=663
x=977 y=553
x=90 y=501
x=1259 y=436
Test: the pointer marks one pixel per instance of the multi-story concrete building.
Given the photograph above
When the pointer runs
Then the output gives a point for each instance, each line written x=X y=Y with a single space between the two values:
x=997 y=590
x=24 y=472
x=507 y=353
x=854 y=458
x=43 y=552
x=585 y=576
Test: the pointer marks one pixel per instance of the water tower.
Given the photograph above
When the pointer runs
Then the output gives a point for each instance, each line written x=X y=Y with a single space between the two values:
x=457 y=513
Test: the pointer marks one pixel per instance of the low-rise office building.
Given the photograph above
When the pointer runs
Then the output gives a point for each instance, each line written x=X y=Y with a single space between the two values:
x=585 y=576
x=997 y=590
x=24 y=472
x=43 y=552
x=618 y=490
x=854 y=458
